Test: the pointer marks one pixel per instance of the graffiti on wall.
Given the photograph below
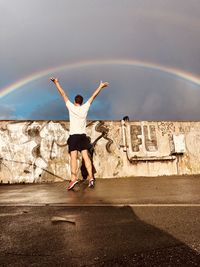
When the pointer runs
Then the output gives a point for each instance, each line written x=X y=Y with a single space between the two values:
x=136 y=141
x=101 y=128
x=28 y=149
x=150 y=139
x=37 y=151
x=166 y=127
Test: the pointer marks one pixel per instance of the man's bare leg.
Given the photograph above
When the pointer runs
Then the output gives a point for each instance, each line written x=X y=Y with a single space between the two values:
x=73 y=165
x=88 y=165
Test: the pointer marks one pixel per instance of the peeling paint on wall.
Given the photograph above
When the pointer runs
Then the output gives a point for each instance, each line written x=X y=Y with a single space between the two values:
x=36 y=151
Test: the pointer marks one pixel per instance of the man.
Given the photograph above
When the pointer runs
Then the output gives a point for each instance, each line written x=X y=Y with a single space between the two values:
x=78 y=141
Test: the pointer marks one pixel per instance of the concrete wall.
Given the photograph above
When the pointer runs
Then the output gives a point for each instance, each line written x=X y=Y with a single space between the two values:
x=36 y=151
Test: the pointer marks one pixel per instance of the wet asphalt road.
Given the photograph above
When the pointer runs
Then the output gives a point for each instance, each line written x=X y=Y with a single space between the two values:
x=43 y=225
x=137 y=190
x=99 y=236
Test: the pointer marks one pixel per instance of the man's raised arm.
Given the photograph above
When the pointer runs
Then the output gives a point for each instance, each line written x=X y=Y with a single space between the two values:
x=60 y=89
x=97 y=91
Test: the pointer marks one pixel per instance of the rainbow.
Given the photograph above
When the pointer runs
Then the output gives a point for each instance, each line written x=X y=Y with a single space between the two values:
x=134 y=63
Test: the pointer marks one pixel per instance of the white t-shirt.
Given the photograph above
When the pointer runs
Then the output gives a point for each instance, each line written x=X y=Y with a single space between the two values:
x=77 y=117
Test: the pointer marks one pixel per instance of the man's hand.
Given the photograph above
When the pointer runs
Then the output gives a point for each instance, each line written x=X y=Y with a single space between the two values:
x=97 y=91
x=60 y=89
x=103 y=84
x=54 y=80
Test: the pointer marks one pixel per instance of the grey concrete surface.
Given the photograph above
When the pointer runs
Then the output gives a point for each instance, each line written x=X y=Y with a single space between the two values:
x=45 y=225
x=173 y=189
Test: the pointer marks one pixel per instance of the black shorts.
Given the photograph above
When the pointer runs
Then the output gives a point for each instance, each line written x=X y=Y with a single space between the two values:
x=78 y=142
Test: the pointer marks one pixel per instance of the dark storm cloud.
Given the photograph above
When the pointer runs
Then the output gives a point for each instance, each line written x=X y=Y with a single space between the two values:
x=36 y=35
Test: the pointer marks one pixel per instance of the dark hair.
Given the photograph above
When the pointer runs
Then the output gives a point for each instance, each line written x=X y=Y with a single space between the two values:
x=78 y=99
x=126 y=118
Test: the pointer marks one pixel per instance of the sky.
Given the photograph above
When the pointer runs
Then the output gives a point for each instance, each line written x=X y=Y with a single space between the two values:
x=148 y=51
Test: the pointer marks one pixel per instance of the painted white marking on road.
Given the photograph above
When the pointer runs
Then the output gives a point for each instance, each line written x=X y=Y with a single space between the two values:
x=12 y=214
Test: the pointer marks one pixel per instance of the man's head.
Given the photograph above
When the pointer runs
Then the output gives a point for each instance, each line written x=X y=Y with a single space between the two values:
x=78 y=99
x=126 y=118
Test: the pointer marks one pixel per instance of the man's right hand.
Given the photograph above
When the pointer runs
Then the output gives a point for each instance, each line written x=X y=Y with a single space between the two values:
x=53 y=79
x=103 y=84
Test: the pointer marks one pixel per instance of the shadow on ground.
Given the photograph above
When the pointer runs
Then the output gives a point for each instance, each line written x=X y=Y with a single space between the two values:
x=98 y=236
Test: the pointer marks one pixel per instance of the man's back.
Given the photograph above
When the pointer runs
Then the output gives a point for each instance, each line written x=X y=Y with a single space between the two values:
x=77 y=117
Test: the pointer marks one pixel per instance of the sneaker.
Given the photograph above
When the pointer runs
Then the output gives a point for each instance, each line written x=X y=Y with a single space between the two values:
x=91 y=183
x=72 y=184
